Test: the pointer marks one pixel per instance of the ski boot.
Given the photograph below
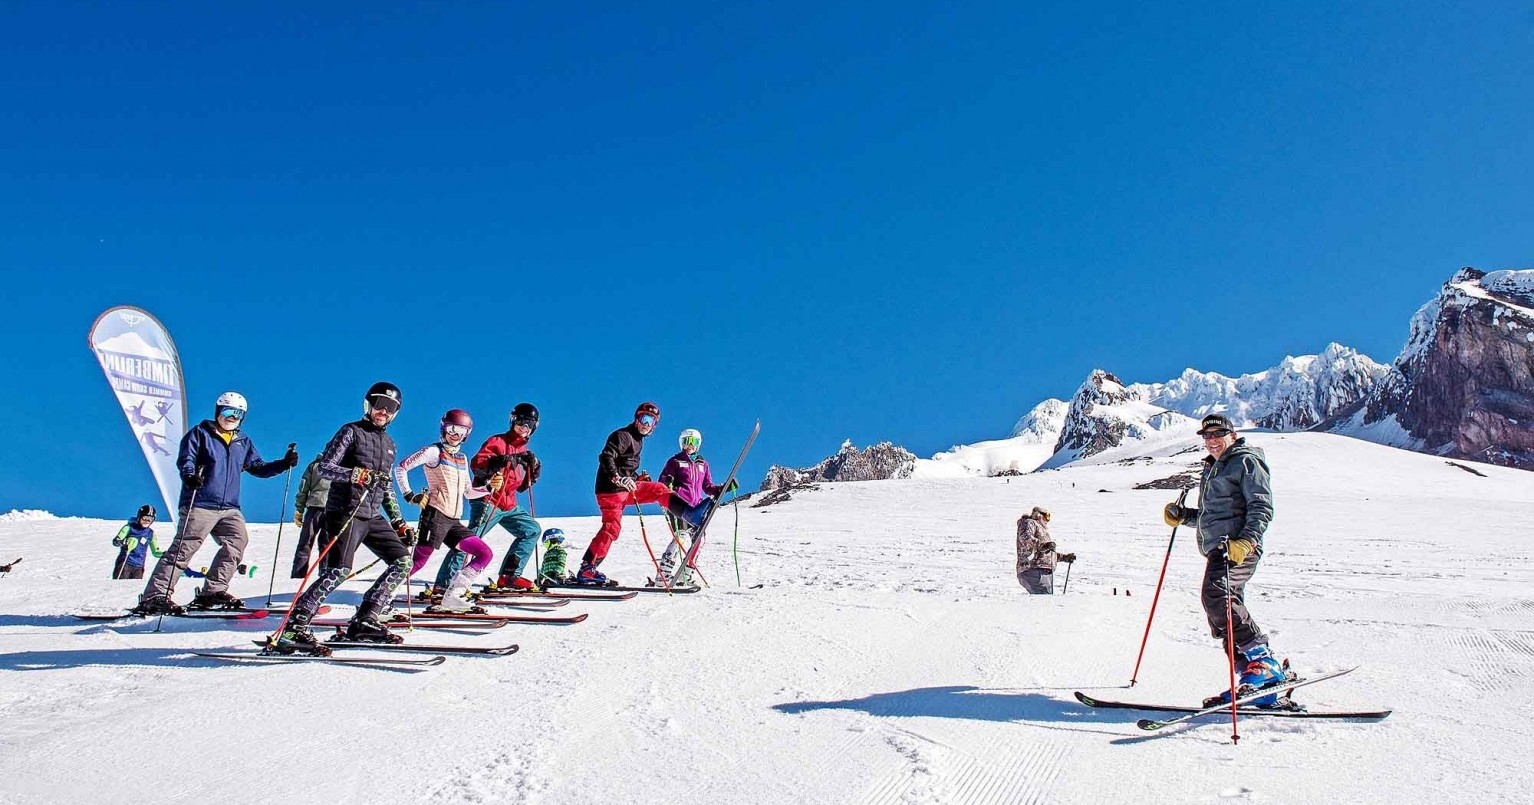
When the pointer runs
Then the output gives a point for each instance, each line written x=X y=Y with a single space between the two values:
x=297 y=639
x=158 y=605
x=1262 y=670
x=456 y=599
x=365 y=627
x=682 y=577
x=590 y=576
x=219 y=600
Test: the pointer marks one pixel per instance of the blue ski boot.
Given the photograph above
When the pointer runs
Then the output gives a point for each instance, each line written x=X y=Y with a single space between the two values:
x=1262 y=670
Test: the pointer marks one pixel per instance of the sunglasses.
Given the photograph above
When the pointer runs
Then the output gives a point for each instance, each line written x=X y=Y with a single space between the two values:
x=646 y=419
x=1215 y=434
x=456 y=430
x=231 y=413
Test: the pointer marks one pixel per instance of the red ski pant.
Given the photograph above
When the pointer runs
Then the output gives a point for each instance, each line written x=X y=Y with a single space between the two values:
x=612 y=505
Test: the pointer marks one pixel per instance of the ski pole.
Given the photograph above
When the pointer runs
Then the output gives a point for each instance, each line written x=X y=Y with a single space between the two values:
x=735 y=549
x=282 y=520
x=1230 y=641
x=1067 y=585
x=646 y=537
x=345 y=527
x=365 y=568
x=532 y=511
x=1157 y=597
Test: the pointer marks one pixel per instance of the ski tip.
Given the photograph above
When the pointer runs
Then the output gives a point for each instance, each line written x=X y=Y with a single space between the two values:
x=501 y=652
x=1085 y=699
x=1150 y=724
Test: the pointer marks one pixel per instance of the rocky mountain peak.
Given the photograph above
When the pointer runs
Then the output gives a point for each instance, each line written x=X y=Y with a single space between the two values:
x=877 y=462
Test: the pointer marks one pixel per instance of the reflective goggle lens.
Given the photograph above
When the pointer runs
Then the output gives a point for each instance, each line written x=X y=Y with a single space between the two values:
x=456 y=430
x=388 y=405
x=230 y=413
x=691 y=441
x=646 y=419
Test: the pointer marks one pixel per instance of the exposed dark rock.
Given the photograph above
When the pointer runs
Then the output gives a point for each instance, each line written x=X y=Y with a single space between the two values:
x=876 y=463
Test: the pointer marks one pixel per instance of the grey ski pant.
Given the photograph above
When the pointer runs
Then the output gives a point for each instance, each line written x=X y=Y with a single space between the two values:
x=226 y=526
x=1248 y=634
x=1037 y=582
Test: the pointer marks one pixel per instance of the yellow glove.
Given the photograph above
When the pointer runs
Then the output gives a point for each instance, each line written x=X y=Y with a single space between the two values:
x=298 y=517
x=1173 y=514
x=1237 y=550
x=496 y=482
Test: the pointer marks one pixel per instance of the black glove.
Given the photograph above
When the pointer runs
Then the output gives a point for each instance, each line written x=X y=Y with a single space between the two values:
x=731 y=486
x=532 y=469
x=406 y=534
x=1047 y=547
x=416 y=497
x=192 y=480
x=290 y=458
x=497 y=463
x=1066 y=558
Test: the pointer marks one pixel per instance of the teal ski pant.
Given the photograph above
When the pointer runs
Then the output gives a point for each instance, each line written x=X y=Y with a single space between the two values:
x=482 y=517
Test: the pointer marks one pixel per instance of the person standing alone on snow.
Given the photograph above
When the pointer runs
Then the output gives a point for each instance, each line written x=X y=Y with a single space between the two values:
x=211 y=459
x=134 y=540
x=1235 y=506
x=358 y=461
x=1036 y=555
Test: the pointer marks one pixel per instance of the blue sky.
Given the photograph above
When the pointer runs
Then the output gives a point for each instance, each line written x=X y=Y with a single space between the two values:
x=877 y=221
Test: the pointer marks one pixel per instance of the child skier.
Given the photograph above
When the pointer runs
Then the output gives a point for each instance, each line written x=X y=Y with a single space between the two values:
x=357 y=460
x=308 y=515
x=506 y=455
x=211 y=459
x=441 y=502
x=687 y=473
x=552 y=571
x=133 y=541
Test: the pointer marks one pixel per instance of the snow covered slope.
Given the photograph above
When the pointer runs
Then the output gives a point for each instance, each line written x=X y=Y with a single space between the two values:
x=1031 y=443
x=889 y=656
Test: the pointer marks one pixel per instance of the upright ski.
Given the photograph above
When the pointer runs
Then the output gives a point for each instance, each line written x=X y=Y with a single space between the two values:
x=702 y=530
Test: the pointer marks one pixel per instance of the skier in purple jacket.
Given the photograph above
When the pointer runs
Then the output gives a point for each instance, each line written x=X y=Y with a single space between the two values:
x=688 y=475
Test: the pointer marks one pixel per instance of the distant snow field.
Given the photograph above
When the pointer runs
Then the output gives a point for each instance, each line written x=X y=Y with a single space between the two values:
x=879 y=650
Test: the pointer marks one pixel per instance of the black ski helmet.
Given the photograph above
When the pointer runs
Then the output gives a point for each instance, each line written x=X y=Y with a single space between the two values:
x=456 y=416
x=525 y=412
x=385 y=392
x=145 y=510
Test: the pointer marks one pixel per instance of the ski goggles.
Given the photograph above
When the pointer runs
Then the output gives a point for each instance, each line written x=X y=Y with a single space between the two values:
x=646 y=419
x=692 y=441
x=456 y=430
x=231 y=413
x=388 y=405
x=530 y=424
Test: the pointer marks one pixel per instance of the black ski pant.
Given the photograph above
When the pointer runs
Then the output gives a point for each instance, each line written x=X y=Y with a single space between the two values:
x=375 y=533
x=122 y=570
x=1248 y=634
x=314 y=523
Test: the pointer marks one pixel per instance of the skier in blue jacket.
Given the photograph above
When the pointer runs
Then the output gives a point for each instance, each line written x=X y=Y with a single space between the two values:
x=213 y=455
x=134 y=540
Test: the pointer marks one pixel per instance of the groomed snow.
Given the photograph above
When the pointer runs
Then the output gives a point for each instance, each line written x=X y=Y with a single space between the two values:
x=888 y=657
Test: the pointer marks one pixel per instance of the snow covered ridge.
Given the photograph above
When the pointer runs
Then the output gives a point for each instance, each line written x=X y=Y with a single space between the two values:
x=1463 y=386
x=878 y=462
x=26 y=515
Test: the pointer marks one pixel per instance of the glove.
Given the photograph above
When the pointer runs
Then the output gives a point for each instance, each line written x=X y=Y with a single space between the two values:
x=362 y=476
x=625 y=483
x=732 y=486
x=1174 y=514
x=1066 y=558
x=1047 y=547
x=290 y=458
x=117 y=542
x=643 y=475
x=406 y=534
x=533 y=465
x=298 y=517
x=192 y=480
x=497 y=462
x=496 y=482
x=416 y=497
x=1237 y=550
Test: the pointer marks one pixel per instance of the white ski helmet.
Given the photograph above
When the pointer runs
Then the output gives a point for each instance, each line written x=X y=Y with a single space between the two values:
x=231 y=399
x=690 y=436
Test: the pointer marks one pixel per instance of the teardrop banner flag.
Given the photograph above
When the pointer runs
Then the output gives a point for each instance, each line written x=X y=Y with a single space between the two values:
x=142 y=366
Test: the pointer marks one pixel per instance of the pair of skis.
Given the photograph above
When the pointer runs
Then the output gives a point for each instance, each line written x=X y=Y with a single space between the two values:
x=1243 y=706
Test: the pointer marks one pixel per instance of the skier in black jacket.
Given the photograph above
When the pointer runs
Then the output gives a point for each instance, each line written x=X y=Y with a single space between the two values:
x=358 y=462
